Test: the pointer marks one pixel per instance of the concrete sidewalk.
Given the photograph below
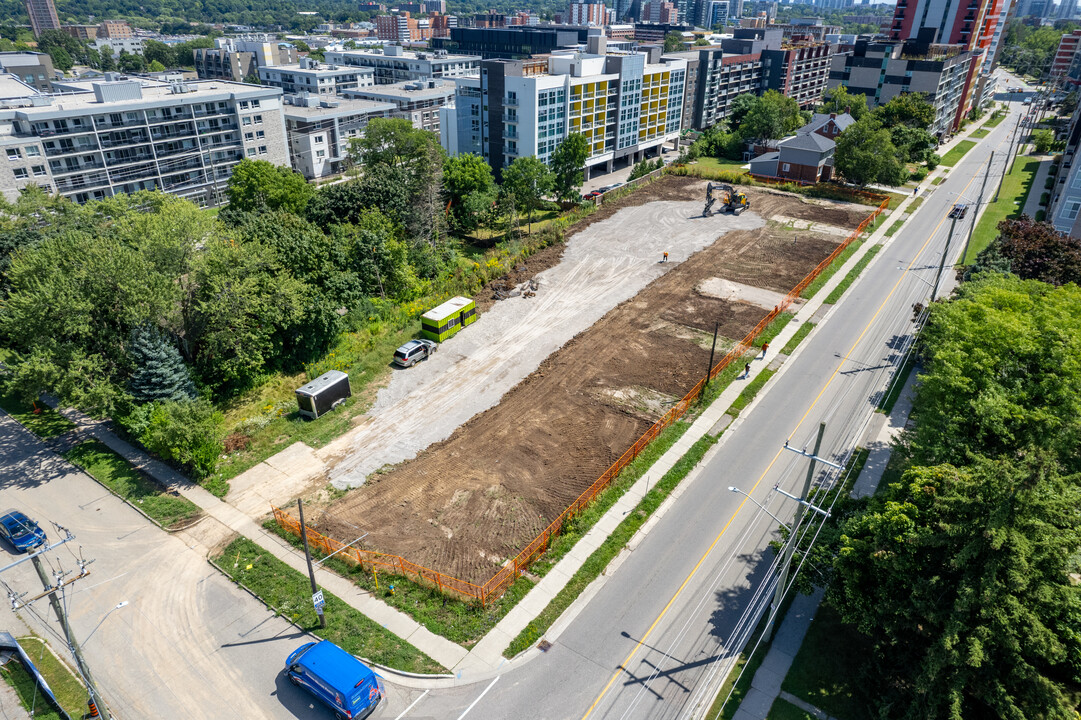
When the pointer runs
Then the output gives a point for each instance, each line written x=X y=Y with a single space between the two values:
x=1032 y=202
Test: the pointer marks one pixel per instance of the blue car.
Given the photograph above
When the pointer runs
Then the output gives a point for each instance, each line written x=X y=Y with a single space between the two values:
x=19 y=530
x=344 y=684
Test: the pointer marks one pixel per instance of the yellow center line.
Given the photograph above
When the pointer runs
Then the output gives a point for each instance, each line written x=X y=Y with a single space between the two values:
x=758 y=482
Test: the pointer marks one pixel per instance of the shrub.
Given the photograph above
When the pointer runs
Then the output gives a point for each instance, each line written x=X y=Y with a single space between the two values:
x=187 y=434
x=1044 y=199
x=918 y=174
x=932 y=161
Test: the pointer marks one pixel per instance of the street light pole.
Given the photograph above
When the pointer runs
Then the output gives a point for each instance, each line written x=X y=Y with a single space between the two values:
x=976 y=212
x=942 y=262
x=308 y=557
x=790 y=547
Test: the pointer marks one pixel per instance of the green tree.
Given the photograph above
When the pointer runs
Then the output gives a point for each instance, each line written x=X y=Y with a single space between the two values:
x=673 y=42
x=393 y=142
x=61 y=59
x=839 y=100
x=470 y=190
x=131 y=63
x=187 y=433
x=960 y=577
x=568 y=160
x=387 y=190
x=527 y=180
x=865 y=154
x=1042 y=140
x=378 y=257
x=159 y=52
x=1000 y=374
x=910 y=109
x=241 y=308
x=772 y=117
x=258 y=185
x=108 y=63
x=914 y=144
x=155 y=67
x=158 y=371
x=739 y=108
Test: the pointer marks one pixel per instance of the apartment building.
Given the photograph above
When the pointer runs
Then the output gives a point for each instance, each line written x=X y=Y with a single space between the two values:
x=800 y=70
x=626 y=105
x=42 y=16
x=395 y=64
x=657 y=11
x=33 y=68
x=316 y=78
x=722 y=77
x=510 y=43
x=318 y=131
x=417 y=101
x=236 y=59
x=121 y=135
x=1064 y=56
x=587 y=13
x=881 y=70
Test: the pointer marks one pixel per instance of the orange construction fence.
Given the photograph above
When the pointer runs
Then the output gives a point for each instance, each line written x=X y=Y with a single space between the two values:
x=498 y=583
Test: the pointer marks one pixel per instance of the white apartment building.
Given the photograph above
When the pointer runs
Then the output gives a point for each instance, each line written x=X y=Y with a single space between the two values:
x=130 y=45
x=319 y=131
x=626 y=105
x=311 y=76
x=418 y=101
x=395 y=64
x=121 y=135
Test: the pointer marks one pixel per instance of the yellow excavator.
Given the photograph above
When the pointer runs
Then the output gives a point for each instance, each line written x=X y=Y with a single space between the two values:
x=732 y=200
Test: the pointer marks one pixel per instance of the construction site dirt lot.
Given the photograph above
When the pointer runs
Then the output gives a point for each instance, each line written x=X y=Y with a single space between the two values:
x=468 y=503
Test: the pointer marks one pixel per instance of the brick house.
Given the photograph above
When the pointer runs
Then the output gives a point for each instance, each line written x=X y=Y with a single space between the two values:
x=807 y=157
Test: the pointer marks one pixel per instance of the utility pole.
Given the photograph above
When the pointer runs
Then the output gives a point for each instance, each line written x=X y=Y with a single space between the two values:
x=942 y=262
x=311 y=571
x=713 y=348
x=790 y=547
x=96 y=703
x=976 y=212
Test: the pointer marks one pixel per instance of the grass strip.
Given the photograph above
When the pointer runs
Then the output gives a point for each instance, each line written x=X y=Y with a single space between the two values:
x=39 y=419
x=979 y=134
x=938 y=180
x=804 y=330
x=915 y=205
x=167 y=508
x=602 y=556
x=724 y=378
x=894 y=228
x=899 y=381
x=287 y=592
x=826 y=669
x=67 y=688
x=750 y=392
x=993 y=121
x=854 y=273
x=954 y=155
x=1011 y=200
x=822 y=279
x=784 y=710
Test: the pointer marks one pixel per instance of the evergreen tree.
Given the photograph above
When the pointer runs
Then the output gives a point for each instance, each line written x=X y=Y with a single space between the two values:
x=160 y=373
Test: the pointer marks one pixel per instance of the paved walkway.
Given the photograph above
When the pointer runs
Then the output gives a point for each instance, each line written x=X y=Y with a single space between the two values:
x=1032 y=203
x=485 y=659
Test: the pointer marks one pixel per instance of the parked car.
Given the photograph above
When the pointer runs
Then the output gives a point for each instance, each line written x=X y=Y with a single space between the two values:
x=959 y=211
x=413 y=352
x=23 y=533
x=344 y=684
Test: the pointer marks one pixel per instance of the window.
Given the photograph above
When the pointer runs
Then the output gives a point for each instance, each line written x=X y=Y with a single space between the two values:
x=32 y=151
x=262 y=149
x=14 y=153
x=258 y=119
x=243 y=104
x=320 y=153
x=786 y=167
x=39 y=170
x=255 y=103
x=318 y=139
x=21 y=174
x=251 y=151
x=1069 y=209
x=249 y=136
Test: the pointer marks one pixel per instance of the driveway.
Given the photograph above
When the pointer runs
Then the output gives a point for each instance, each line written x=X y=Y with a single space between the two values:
x=189 y=643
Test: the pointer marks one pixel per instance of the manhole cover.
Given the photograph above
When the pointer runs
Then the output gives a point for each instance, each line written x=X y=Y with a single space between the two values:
x=544 y=645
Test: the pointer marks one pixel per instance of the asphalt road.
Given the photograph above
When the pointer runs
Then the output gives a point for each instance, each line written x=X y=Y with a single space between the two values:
x=189 y=643
x=664 y=627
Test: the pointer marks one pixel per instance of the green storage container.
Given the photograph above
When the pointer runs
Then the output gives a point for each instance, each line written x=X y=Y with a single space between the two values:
x=441 y=322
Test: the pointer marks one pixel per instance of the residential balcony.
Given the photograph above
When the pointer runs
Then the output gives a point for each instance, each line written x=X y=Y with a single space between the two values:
x=53 y=132
x=181 y=131
x=82 y=182
x=71 y=149
x=59 y=168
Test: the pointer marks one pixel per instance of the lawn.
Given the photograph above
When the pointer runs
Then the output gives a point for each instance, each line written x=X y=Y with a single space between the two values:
x=993 y=121
x=1011 y=199
x=714 y=164
x=954 y=156
x=288 y=593
x=38 y=418
x=803 y=331
x=827 y=667
x=65 y=686
x=894 y=228
x=112 y=471
x=979 y=134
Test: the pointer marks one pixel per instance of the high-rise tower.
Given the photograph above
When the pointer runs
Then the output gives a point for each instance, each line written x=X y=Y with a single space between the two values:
x=42 y=16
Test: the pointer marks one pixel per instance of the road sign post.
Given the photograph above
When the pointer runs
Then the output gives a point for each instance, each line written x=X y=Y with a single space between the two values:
x=316 y=592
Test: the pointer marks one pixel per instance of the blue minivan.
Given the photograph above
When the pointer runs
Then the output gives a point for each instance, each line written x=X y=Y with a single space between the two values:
x=346 y=685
